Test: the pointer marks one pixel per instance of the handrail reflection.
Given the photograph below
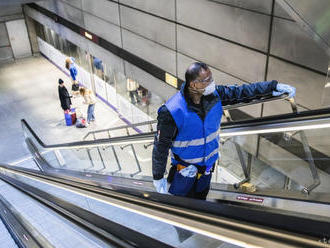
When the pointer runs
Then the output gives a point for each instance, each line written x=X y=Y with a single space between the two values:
x=253 y=128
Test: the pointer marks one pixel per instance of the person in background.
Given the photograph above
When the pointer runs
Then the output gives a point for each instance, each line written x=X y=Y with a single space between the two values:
x=99 y=69
x=188 y=124
x=70 y=65
x=132 y=88
x=64 y=96
x=89 y=98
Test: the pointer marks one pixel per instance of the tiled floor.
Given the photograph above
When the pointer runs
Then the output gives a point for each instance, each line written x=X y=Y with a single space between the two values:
x=28 y=90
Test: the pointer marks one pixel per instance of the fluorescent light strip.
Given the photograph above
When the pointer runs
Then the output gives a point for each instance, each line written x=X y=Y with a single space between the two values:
x=274 y=130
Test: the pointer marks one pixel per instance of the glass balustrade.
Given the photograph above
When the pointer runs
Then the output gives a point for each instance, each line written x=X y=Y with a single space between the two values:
x=284 y=160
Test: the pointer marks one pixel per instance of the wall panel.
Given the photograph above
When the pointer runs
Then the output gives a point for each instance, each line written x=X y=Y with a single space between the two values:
x=5 y=54
x=106 y=30
x=290 y=42
x=104 y=9
x=4 y=40
x=238 y=25
x=233 y=59
x=150 y=51
x=161 y=31
x=163 y=8
x=309 y=84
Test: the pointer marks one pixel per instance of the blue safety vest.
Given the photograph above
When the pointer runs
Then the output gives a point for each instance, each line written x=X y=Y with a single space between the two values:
x=197 y=141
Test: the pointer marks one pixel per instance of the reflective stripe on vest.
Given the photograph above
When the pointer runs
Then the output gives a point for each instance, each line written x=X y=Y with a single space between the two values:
x=197 y=141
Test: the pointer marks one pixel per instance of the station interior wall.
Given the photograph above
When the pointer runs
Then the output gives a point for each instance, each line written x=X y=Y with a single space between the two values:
x=231 y=36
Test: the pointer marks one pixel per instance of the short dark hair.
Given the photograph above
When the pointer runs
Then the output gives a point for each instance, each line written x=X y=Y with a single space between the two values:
x=193 y=71
x=60 y=81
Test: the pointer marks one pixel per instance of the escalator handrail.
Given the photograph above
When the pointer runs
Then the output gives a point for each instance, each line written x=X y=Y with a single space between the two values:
x=135 y=138
x=227 y=129
x=289 y=117
x=264 y=99
x=145 y=123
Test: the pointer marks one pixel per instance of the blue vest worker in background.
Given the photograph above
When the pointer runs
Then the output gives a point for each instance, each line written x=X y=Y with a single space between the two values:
x=189 y=124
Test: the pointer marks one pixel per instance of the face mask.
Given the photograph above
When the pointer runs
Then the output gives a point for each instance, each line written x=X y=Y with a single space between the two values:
x=209 y=89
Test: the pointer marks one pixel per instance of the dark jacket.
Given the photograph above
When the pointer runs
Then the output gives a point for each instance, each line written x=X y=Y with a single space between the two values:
x=64 y=97
x=167 y=129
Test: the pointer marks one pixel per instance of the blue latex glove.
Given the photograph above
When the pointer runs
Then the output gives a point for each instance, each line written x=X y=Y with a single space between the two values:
x=284 y=88
x=189 y=171
x=161 y=185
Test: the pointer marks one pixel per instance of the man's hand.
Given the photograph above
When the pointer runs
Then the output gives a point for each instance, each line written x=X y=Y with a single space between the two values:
x=284 y=88
x=161 y=185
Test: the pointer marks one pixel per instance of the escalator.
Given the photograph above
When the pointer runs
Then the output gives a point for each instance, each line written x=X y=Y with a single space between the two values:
x=269 y=188
x=25 y=222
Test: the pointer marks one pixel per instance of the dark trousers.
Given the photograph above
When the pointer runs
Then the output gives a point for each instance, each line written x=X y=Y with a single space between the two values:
x=190 y=186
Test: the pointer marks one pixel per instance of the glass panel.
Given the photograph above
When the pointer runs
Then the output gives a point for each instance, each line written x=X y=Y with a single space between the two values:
x=326 y=91
x=278 y=160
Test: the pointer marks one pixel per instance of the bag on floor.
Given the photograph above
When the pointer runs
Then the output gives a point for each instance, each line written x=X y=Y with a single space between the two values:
x=70 y=117
x=75 y=87
x=81 y=123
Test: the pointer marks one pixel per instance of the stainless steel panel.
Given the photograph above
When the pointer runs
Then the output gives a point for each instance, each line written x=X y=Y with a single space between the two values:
x=4 y=40
x=219 y=76
x=41 y=18
x=64 y=32
x=75 y=3
x=104 y=9
x=280 y=12
x=150 y=51
x=50 y=5
x=232 y=59
x=104 y=29
x=19 y=39
x=70 y=13
x=245 y=27
x=289 y=41
x=313 y=16
x=10 y=10
x=5 y=54
x=151 y=27
x=309 y=85
x=163 y=8
x=263 y=6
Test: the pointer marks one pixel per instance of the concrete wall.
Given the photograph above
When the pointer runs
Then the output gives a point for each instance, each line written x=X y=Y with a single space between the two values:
x=7 y=13
x=231 y=36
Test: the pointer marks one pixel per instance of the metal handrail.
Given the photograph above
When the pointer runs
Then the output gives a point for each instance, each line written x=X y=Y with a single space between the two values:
x=120 y=127
x=227 y=107
x=309 y=120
